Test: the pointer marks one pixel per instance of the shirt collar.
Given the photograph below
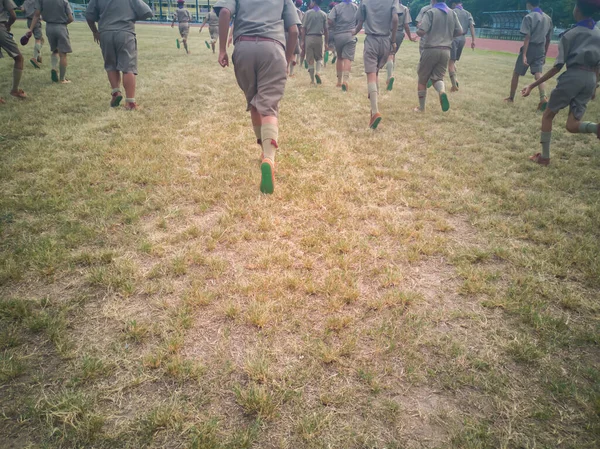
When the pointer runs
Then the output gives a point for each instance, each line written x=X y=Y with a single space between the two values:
x=442 y=7
x=538 y=10
x=459 y=6
x=588 y=23
x=347 y=1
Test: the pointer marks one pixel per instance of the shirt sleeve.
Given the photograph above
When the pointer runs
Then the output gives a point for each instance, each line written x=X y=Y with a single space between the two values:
x=9 y=5
x=142 y=10
x=425 y=23
x=458 y=30
x=407 y=17
x=563 y=51
x=68 y=9
x=396 y=7
x=289 y=15
x=38 y=5
x=333 y=15
x=526 y=25
x=361 y=12
x=471 y=20
x=231 y=5
x=420 y=16
x=91 y=13
x=550 y=30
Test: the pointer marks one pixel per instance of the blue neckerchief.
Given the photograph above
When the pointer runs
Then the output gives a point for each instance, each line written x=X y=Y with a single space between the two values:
x=539 y=10
x=459 y=6
x=588 y=23
x=316 y=8
x=347 y=1
x=442 y=7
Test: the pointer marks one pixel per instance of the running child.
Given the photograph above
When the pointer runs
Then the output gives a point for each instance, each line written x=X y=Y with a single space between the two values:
x=380 y=18
x=342 y=22
x=314 y=29
x=213 y=29
x=404 y=20
x=579 y=50
x=116 y=35
x=537 y=27
x=7 y=18
x=28 y=8
x=458 y=44
x=419 y=19
x=330 y=43
x=298 y=49
x=183 y=18
x=57 y=15
x=260 y=61
x=439 y=26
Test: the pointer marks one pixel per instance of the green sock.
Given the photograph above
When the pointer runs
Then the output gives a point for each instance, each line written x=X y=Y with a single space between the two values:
x=63 y=72
x=54 y=61
x=17 y=74
x=588 y=128
x=373 y=97
x=545 y=141
x=453 y=79
x=257 y=132
x=422 y=99
x=311 y=72
x=269 y=134
x=390 y=69
x=439 y=86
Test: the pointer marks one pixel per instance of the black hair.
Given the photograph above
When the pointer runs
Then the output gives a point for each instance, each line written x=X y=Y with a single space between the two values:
x=318 y=2
x=587 y=8
x=534 y=2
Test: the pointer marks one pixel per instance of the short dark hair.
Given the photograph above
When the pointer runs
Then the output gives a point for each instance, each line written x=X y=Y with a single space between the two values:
x=588 y=8
x=534 y=2
x=318 y=2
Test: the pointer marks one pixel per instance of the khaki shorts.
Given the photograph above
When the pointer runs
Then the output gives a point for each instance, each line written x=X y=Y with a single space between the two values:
x=399 y=40
x=314 y=48
x=345 y=45
x=536 y=58
x=37 y=31
x=376 y=54
x=433 y=64
x=184 y=29
x=575 y=89
x=458 y=44
x=58 y=37
x=119 y=50
x=8 y=43
x=214 y=33
x=261 y=72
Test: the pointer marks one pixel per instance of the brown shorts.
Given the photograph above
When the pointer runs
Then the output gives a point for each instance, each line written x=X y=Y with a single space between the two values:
x=433 y=64
x=58 y=37
x=119 y=50
x=8 y=43
x=214 y=33
x=345 y=46
x=376 y=53
x=314 y=48
x=37 y=31
x=261 y=72
x=184 y=29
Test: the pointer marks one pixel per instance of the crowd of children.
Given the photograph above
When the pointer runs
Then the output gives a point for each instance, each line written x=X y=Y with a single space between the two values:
x=272 y=37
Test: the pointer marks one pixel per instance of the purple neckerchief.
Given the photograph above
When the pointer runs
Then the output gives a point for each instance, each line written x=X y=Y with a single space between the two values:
x=442 y=7
x=347 y=1
x=459 y=6
x=316 y=8
x=588 y=23
x=537 y=10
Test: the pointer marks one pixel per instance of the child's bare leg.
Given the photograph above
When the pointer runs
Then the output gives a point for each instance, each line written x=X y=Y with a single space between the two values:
x=577 y=126
x=114 y=78
x=213 y=43
x=185 y=45
x=256 y=125
x=63 y=67
x=129 y=85
x=514 y=84
x=372 y=85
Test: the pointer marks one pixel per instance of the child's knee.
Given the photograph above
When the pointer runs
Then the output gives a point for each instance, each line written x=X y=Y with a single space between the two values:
x=19 y=59
x=573 y=125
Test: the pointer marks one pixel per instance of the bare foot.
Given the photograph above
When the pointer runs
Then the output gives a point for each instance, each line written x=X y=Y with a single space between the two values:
x=19 y=94
x=419 y=110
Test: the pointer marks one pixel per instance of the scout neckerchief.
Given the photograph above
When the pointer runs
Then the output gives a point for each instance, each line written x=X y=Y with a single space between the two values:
x=442 y=7
x=588 y=23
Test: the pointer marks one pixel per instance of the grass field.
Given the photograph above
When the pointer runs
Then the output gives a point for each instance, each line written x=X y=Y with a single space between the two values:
x=421 y=286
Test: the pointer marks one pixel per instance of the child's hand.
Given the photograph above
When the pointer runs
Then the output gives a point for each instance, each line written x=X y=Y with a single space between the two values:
x=526 y=91
x=223 y=59
x=525 y=60
x=473 y=45
x=97 y=37
x=414 y=39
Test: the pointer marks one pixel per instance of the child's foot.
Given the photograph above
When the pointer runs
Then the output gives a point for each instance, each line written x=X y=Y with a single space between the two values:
x=2 y=100
x=543 y=104
x=538 y=159
x=345 y=87
x=19 y=94
x=338 y=85
x=207 y=44
x=454 y=89
x=509 y=100
x=429 y=84
x=418 y=110
x=131 y=106
x=390 y=83
x=318 y=78
x=65 y=81
x=444 y=102
x=267 y=180
x=35 y=63
x=54 y=76
x=375 y=121
x=116 y=99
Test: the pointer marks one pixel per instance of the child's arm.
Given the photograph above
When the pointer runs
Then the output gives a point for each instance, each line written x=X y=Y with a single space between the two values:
x=204 y=23
x=224 y=18
x=94 y=30
x=70 y=19
x=472 y=35
x=395 y=21
x=408 y=33
x=12 y=18
x=291 y=43
x=326 y=36
x=35 y=20
x=550 y=74
x=525 y=48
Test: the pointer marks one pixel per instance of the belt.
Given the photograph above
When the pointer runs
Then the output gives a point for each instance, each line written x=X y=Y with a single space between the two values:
x=257 y=39
x=583 y=67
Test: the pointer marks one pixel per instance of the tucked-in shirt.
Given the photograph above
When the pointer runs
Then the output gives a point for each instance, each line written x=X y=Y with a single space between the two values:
x=579 y=46
x=314 y=22
x=183 y=15
x=5 y=7
x=117 y=15
x=441 y=28
x=465 y=18
x=538 y=26
x=377 y=16
x=213 y=19
x=265 y=18
x=343 y=17
x=54 y=11
x=28 y=8
x=404 y=18
x=424 y=9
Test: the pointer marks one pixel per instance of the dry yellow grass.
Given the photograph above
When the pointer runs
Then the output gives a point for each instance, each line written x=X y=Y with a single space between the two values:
x=421 y=286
